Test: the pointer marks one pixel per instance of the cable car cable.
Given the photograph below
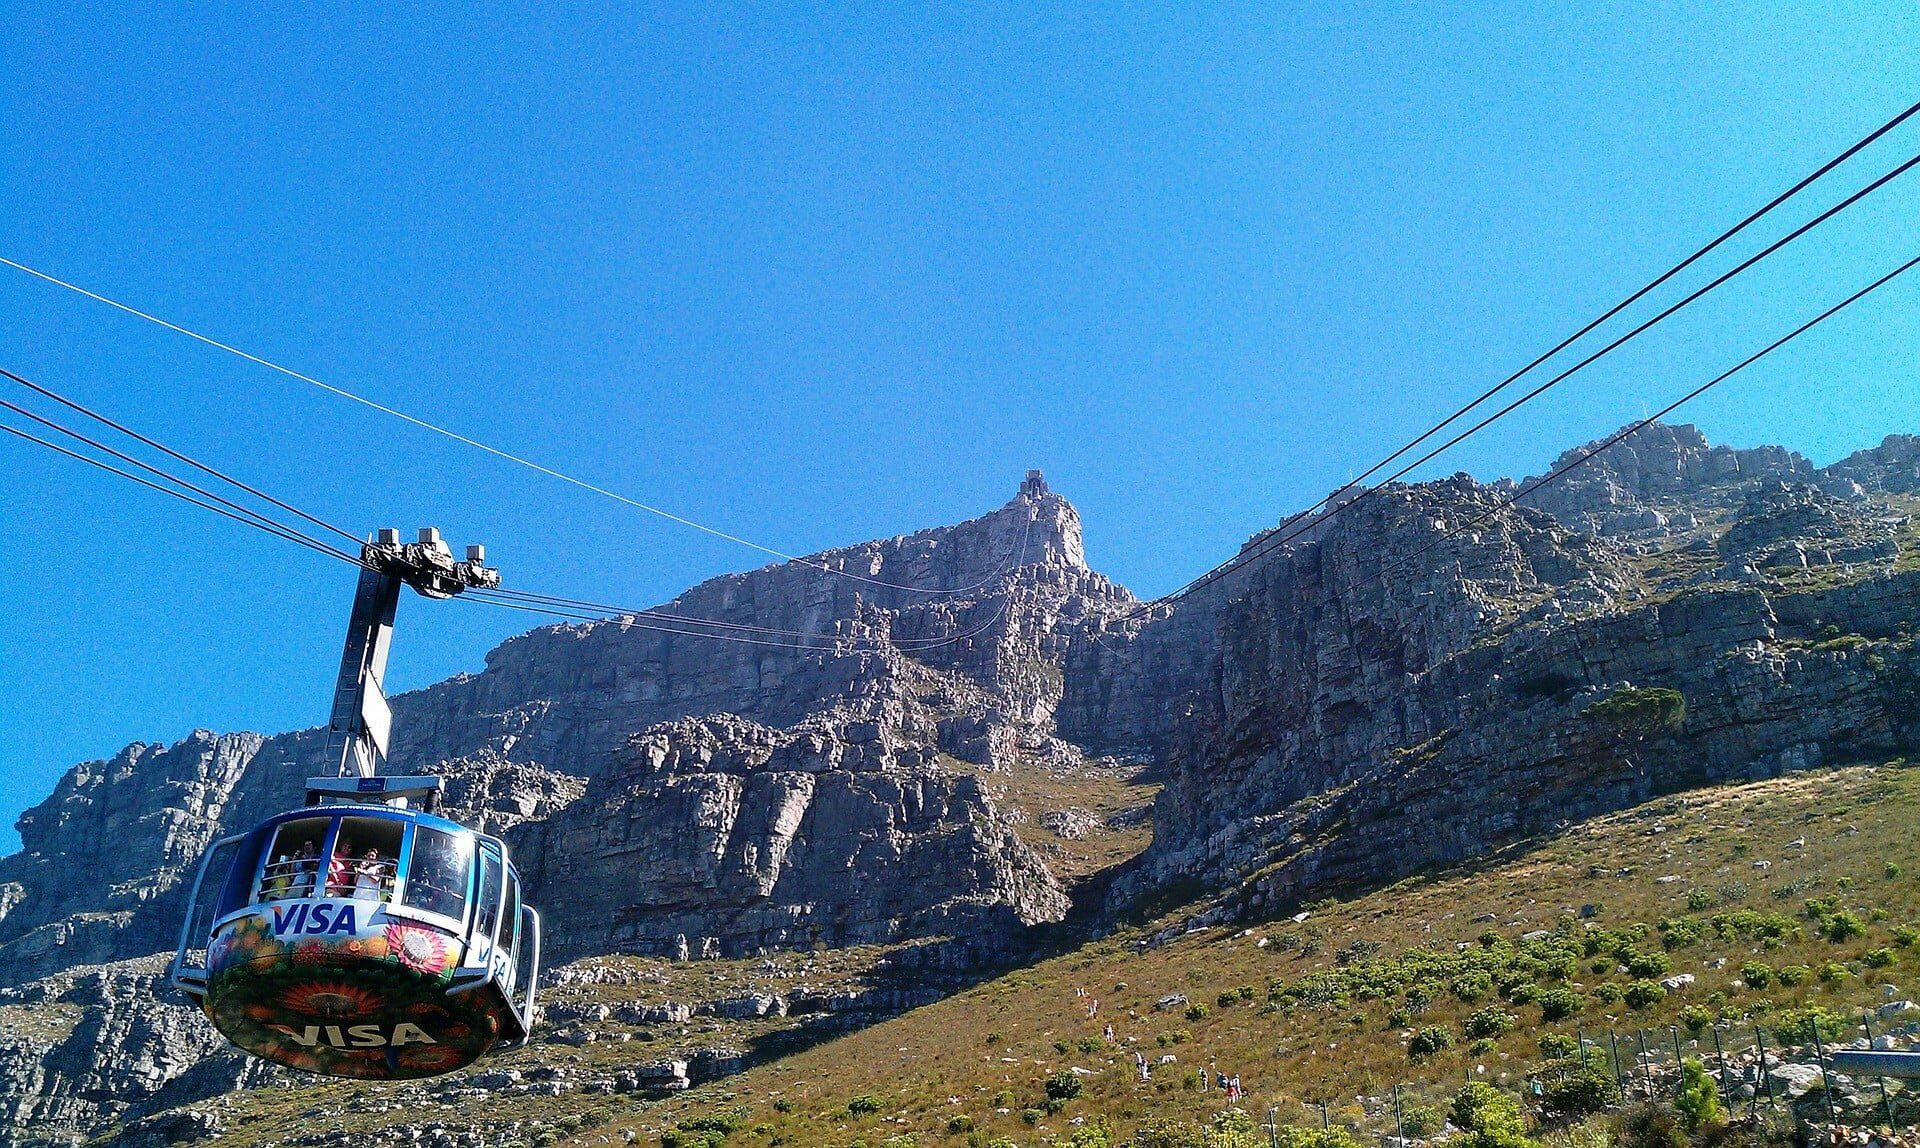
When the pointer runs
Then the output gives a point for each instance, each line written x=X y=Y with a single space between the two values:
x=1610 y=312
x=1634 y=428
x=237 y=512
x=290 y=536
x=249 y=512
x=509 y=456
x=290 y=508
x=1304 y=523
x=167 y=450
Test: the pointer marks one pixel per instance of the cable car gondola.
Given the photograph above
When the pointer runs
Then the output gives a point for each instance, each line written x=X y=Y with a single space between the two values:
x=363 y=935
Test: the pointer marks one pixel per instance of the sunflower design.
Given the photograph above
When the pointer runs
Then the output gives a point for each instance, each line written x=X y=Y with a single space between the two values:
x=428 y=1058
x=419 y=949
x=331 y=999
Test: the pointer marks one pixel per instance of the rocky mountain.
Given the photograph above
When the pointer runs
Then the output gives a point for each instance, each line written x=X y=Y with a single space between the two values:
x=1383 y=691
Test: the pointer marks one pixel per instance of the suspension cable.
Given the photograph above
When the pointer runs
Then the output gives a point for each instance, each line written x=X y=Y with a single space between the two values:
x=497 y=452
x=1586 y=456
x=1306 y=521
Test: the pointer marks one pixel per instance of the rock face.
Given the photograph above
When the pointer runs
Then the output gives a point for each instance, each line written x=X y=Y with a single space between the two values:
x=1455 y=699
x=1419 y=676
x=835 y=832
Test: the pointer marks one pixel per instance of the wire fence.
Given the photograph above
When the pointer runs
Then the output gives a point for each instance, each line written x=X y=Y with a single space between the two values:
x=1755 y=1072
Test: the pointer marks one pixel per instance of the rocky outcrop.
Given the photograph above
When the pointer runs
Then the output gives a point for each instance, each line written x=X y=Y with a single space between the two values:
x=731 y=836
x=1453 y=701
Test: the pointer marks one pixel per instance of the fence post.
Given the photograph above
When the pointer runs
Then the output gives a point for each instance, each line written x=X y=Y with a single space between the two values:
x=1765 y=1077
x=1826 y=1081
x=1613 y=1043
x=1674 y=1031
x=1273 y=1125
x=1886 y=1101
x=1399 y=1125
x=1720 y=1054
x=1324 y=1125
x=1646 y=1063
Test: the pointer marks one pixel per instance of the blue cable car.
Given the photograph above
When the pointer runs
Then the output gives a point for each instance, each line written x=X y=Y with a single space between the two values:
x=362 y=940
x=361 y=936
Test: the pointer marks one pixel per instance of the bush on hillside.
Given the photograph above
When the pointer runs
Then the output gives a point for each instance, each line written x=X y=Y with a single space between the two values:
x=1559 y=1004
x=1698 y=1101
x=1582 y=1092
x=1489 y=1118
x=1642 y=993
x=1428 y=1042
x=1640 y=710
x=1488 y=1022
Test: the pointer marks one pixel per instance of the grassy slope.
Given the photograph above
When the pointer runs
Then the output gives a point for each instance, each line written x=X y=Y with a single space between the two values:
x=1853 y=822
x=992 y=1046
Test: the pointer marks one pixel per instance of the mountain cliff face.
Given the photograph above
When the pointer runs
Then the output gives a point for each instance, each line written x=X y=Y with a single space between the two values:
x=1376 y=696
x=1380 y=680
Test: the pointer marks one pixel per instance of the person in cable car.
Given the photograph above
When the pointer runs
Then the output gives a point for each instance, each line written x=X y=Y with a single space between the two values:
x=306 y=866
x=279 y=877
x=340 y=873
x=369 y=876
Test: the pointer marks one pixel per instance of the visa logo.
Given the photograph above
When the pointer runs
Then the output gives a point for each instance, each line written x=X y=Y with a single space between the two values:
x=356 y=1035
x=314 y=919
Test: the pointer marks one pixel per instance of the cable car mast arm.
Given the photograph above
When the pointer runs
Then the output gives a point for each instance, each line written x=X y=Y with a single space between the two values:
x=360 y=722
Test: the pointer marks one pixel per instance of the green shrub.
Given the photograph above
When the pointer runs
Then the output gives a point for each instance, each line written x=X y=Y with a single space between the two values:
x=1559 y=1004
x=1842 y=926
x=1489 y=1021
x=1489 y=1117
x=1582 y=1092
x=1526 y=992
x=1606 y=992
x=1289 y=1136
x=1420 y=1121
x=1698 y=899
x=864 y=1105
x=1642 y=993
x=1063 y=1085
x=1428 y=1042
x=1648 y=964
x=960 y=1124
x=1757 y=974
x=1481 y=1047
x=1793 y=975
x=1679 y=932
x=1877 y=958
x=1558 y=1046
x=1696 y=1018
x=730 y=1120
x=1196 y=1012
x=1472 y=987
x=1698 y=1101
x=1640 y=710
x=1833 y=974
x=1803 y=1025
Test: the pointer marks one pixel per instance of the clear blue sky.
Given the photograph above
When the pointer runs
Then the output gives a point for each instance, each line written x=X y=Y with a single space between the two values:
x=817 y=278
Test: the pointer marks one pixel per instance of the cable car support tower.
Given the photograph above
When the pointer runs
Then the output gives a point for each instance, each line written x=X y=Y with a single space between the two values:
x=361 y=722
